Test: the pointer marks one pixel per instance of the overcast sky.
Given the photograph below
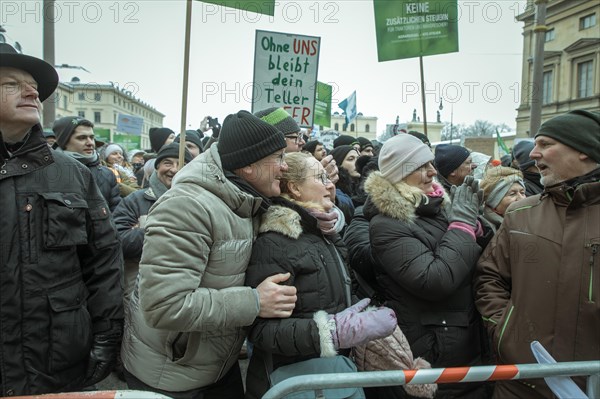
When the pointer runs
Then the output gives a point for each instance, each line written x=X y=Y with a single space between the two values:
x=140 y=45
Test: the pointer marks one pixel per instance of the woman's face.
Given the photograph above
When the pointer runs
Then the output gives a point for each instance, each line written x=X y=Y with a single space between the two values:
x=422 y=178
x=515 y=193
x=349 y=163
x=315 y=187
x=115 y=158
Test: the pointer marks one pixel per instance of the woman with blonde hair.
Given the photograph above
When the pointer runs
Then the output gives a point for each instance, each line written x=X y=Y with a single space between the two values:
x=501 y=187
x=297 y=236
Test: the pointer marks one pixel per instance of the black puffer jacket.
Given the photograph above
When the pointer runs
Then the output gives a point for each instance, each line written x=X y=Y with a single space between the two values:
x=60 y=269
x=425 y=271
x=289 y=241
x=107 y=183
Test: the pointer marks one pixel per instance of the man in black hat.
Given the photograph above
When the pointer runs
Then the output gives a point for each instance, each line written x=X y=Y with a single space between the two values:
x=60 y=283
x=189 y=309
x=453 y=163
x=538 y=278
x=75 y=137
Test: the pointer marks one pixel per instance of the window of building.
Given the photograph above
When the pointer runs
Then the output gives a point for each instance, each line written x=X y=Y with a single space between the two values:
x=336 y=126
x=97 y=117
x=585 y=78
x=547 y=87
x=550 y=34
x=352 y=127
x=114 y=99
x=587 y=22
x=65 y=102
x=345 y=127
x=115 y=118
x=81 y=114
x=367 y=128
x=81 y=96
x=97 y=96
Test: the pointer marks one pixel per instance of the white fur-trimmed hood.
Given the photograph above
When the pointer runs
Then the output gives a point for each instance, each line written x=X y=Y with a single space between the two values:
x=398 y=201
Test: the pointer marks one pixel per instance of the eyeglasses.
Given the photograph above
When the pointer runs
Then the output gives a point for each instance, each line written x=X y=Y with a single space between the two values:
x=322 y=177
x=280 y=157
x=295 y=137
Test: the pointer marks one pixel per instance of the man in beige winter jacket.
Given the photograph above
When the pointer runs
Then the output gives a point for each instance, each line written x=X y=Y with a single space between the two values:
x=185 y=327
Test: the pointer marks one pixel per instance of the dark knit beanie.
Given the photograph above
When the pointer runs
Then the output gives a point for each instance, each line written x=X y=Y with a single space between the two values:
x=421 y=137
x=521 y=152
x=364 y=143
x=245 y=139
x=64 y=128
x=577 y=129
x=158 y=136
x=339 y=153
x=362 y=161
x=345 y=139
x=448 y=157
x=191 y=136
x=171 y=151
x=279 y=118
x=311 y=146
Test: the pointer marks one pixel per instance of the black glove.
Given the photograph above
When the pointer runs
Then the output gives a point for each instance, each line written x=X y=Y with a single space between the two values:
x=103 y=354
x=466 y=200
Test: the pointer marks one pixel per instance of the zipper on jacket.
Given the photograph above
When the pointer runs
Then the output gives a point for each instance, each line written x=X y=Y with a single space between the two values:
x=504 y=327
x=30 y=251
x=592 y=261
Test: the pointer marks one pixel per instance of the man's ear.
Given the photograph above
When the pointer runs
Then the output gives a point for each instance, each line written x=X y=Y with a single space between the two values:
x=246 y=172
x=583 y=157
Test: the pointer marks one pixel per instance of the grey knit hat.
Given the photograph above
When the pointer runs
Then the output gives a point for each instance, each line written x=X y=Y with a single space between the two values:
x=402 y=155
x=245 y=139
x=279 y=118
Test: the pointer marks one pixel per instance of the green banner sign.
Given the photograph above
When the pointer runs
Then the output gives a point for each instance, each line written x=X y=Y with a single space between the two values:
x=323 y=104
x=407 y=29
x=128 y=141
x=266 y=7
x=102 y=134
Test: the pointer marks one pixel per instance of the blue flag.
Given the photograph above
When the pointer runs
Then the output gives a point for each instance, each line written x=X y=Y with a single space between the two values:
x=349 y=107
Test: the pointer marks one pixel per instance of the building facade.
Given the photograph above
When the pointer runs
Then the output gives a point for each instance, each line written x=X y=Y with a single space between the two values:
x=364 y=126
x=102 y=104
x=571 y=60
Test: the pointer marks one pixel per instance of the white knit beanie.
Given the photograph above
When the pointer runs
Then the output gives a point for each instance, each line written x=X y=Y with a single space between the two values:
x=110 y=149
x=401 y=155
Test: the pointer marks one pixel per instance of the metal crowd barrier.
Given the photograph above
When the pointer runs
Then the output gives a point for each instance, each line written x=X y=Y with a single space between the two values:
x=365 y=379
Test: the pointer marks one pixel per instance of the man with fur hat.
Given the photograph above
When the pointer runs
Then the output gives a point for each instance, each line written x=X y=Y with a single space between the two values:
x=536 y=279
x=188 y=312
x=453 y=163
x=60 y=283
x=75 y=137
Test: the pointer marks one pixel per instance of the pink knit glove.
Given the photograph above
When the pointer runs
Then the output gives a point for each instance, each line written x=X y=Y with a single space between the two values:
x=357 y=326
x=325 y=220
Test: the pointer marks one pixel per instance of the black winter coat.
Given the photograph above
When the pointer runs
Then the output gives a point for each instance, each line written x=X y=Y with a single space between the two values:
x=60 y=269
x=107 y=183
x=425 y=271
x=289 y=241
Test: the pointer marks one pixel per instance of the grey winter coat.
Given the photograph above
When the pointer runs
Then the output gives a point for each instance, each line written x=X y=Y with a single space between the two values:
x=185 y=326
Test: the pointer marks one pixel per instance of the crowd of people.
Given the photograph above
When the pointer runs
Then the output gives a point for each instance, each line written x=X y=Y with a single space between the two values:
x=163 y=268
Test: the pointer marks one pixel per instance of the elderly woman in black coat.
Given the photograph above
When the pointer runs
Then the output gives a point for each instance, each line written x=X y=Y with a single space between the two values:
x=425 y=251
x=297 y=236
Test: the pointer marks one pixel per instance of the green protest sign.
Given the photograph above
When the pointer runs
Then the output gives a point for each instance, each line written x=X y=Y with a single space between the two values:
x=408 y=28
x=102 y=134
x=266 y=7
x=285 y=74
x=128 y=141
x=323 y=104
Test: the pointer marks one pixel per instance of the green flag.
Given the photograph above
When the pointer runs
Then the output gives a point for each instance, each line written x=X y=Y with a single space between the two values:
x=323 y=104
x=501 y=143
x=266 y=7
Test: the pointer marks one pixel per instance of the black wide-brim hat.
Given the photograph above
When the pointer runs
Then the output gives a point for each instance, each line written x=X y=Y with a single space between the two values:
x=44 y=74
